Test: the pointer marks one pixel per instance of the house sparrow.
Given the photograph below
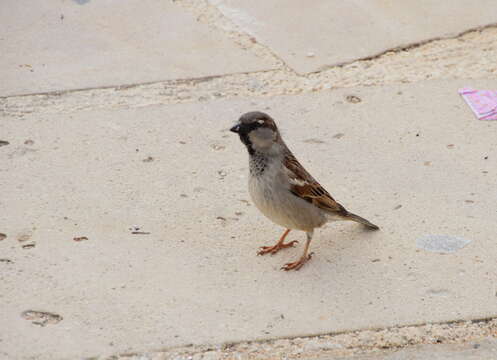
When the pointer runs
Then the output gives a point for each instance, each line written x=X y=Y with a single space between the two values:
x=282 y=189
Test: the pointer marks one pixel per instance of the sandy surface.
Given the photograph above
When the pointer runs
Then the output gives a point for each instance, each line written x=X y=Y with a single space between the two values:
x=366 y=345
x=469 y=56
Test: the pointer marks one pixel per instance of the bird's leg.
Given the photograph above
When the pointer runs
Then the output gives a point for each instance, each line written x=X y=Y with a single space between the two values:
x=279 y=245
x=303 y=259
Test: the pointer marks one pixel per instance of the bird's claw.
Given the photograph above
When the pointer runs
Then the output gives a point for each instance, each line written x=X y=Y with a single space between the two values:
x=274 y=249
x=296 y=265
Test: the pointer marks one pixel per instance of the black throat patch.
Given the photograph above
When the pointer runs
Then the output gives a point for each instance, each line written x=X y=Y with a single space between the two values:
x=257 y=163
x=245 y=139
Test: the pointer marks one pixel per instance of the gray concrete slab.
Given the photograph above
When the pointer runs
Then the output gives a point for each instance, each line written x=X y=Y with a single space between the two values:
x=312 y=37
x=412 y=158
x=60 y=45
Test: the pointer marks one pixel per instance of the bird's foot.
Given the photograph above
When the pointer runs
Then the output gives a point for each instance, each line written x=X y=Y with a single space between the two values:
x=274 y=249
x=297 y=264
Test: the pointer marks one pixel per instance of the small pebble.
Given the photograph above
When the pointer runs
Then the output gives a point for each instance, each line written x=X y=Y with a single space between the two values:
x=80 y=238
x=135 y=230
x=222 y=174
x=353 y=99
x=314 y=141
x=41 y=318
x=218 y=147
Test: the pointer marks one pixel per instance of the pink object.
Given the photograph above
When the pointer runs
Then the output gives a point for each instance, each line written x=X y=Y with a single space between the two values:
x=482 y=102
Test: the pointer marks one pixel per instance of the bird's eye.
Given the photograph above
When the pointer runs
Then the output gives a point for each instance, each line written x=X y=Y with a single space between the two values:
x=260 y=122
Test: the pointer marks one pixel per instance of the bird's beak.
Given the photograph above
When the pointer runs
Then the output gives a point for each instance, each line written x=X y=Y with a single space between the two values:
x=235 y=128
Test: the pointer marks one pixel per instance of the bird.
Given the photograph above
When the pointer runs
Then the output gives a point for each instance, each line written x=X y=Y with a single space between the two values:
x=283 y=190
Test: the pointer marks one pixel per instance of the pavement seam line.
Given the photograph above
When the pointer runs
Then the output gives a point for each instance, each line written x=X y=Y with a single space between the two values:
x=448 y=58
x=214 y=17
x=350 y=343
x=408 y=47
x=286 y=68
x=215 y=77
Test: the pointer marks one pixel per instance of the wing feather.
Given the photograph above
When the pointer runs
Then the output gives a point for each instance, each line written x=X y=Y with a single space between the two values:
x=303 y=185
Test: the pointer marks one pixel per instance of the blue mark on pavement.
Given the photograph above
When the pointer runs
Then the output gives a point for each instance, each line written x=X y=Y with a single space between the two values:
x=444 y=244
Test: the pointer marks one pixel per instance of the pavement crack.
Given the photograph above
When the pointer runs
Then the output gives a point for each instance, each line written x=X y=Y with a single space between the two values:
x=214 y=17
x=343 y=344
x=454 y=58
x=407 y=47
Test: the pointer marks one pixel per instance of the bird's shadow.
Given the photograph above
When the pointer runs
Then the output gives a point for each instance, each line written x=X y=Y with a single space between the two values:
x=345 y=236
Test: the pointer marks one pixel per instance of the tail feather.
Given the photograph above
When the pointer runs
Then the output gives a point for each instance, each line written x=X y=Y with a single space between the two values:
x=361 y=220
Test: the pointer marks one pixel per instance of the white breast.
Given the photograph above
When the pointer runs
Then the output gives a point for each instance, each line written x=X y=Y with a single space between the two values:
x=270 y=193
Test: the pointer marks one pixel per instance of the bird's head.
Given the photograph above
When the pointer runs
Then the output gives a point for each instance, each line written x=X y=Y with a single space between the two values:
x=257 y=131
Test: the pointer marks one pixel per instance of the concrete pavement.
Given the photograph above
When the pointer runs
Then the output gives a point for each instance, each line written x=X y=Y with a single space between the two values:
x=312 y=38
x=67 y=45
x=127 y=222
x=195 y=278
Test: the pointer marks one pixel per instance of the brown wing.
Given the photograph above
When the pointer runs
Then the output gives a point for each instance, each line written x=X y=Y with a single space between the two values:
x=306 y=187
